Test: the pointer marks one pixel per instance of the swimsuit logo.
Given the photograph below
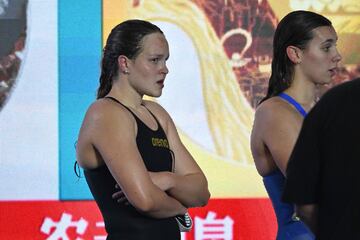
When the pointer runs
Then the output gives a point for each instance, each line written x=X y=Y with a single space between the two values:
x=159 y=142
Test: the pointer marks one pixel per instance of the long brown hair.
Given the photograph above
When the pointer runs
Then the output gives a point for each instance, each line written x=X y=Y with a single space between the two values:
x=295 y=29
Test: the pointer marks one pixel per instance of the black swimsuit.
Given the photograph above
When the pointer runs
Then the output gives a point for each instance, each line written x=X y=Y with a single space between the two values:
x=124 y=221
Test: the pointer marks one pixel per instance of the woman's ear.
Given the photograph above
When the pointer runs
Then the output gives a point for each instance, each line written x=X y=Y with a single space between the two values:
x=294 y=54
x=123 y=63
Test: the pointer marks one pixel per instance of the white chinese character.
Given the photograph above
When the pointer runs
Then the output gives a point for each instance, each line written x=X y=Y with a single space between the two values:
x=183 y=235
x=61 y=227
x=211 y=228
x=100 y=237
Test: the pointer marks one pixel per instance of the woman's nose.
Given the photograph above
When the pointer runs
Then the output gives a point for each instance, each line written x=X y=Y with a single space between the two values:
x=337 y=57
x=164 y=69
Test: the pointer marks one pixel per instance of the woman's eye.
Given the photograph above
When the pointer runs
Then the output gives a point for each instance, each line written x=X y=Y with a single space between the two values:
x=326 y=49
x=155 y=60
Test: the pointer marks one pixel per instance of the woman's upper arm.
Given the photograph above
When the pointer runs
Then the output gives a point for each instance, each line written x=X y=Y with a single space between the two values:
x=280 y=129
x=113 y=136
x=184 y=162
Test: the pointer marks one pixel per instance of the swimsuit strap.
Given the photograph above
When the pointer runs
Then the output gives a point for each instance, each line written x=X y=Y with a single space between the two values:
x=294 y=103
x=115 y=100
x=136 y=117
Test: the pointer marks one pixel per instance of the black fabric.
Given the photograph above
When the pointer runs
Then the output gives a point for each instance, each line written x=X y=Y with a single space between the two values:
x=323 y=166
x=124 y=221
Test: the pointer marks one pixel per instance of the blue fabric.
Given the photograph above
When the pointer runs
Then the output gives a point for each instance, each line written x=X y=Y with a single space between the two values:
x=294 y=103
x=288 y=228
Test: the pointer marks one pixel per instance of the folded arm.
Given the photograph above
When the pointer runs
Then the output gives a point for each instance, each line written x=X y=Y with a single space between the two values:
x=114 y=137
x=187 y=183
x=190 y=189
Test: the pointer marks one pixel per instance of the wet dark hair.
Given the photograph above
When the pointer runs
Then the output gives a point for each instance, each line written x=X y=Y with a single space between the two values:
x=124 y=39
x=295 y=29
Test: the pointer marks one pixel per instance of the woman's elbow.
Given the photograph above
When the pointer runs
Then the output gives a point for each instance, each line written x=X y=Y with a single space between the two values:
x=144 y=204
x=203 y=196
x=206 y=194
x=205 y=199
x=201 y=201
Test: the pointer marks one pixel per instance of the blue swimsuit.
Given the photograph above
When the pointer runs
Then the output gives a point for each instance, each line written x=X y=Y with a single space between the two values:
x=288 y=227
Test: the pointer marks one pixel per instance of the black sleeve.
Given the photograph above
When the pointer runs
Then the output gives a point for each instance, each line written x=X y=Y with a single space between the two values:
x=314 y=144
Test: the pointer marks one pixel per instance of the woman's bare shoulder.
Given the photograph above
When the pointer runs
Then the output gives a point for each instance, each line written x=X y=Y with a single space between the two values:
x=106 y=111
x=275 y=109
x=106 y=108
x=157 y=110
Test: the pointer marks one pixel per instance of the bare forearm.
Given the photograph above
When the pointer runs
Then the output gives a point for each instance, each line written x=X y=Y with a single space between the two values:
x=191 y=190
x=160 y=205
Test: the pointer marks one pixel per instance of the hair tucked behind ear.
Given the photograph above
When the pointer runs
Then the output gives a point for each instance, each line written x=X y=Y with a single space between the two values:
x=124 y=39
x=295 y=29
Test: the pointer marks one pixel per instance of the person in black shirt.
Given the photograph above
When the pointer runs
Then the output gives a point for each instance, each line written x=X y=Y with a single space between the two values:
x=322 y=173
x=133 y=143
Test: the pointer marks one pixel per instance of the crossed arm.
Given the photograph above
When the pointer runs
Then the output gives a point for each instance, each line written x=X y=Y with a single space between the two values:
x=187 y=184
x=158 y=195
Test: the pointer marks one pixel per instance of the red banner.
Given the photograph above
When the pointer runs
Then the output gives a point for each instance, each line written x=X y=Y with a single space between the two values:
x=62 y=220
